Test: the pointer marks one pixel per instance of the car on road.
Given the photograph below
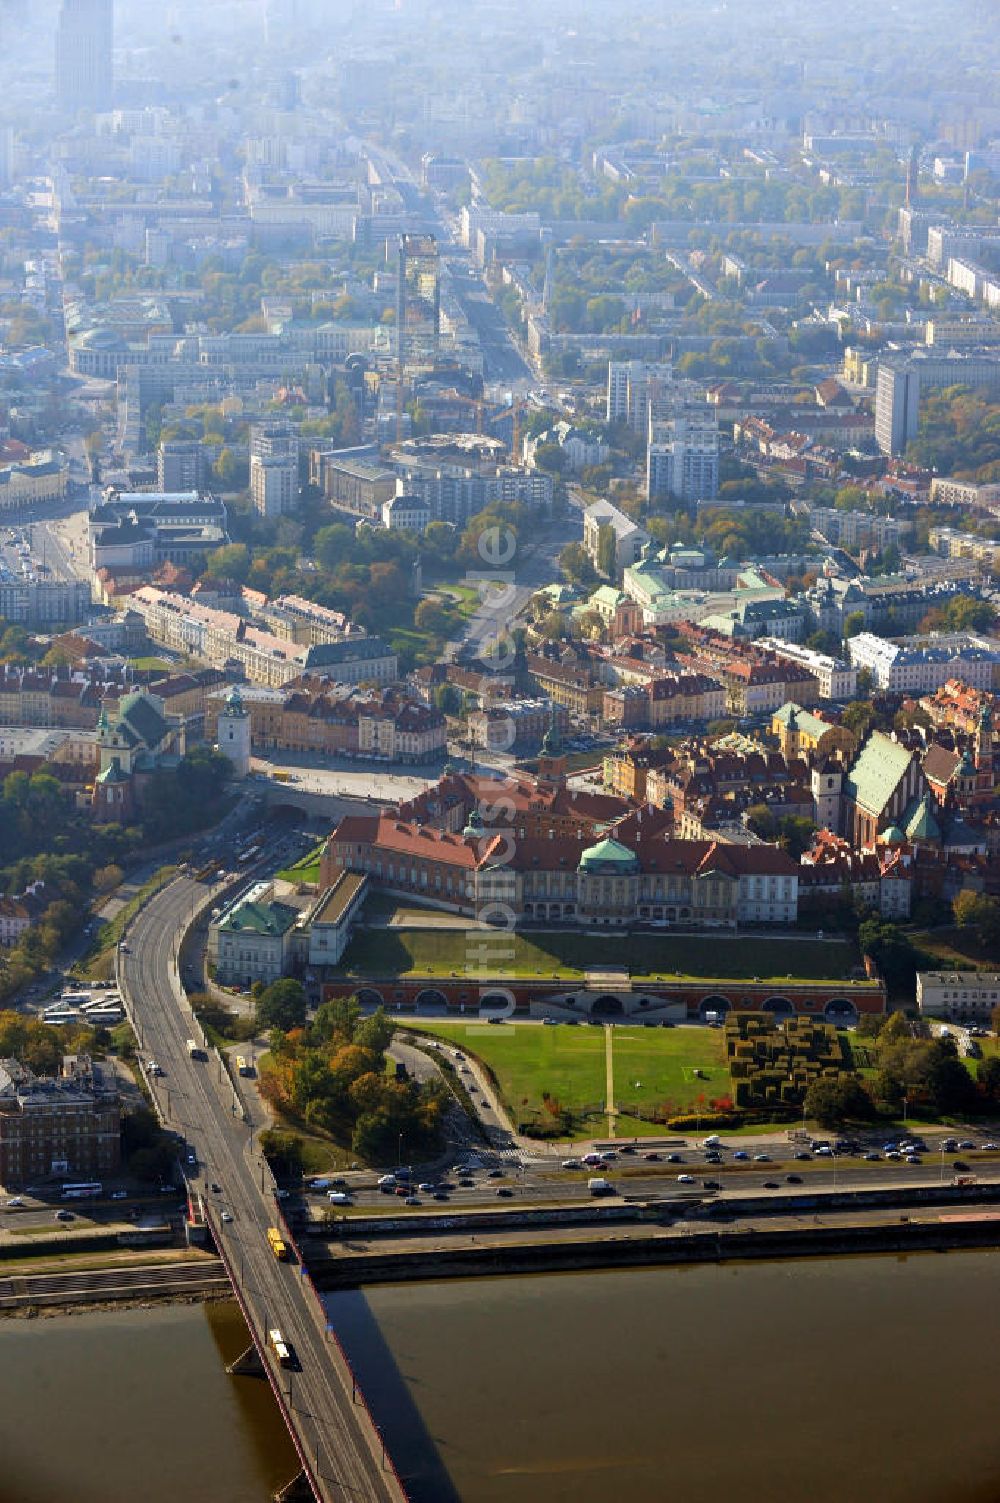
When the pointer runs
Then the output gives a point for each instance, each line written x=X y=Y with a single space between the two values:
x=959 y=1166
x=762 y=1158
x=711 y=1184
x=771 y=1184
x=651 y=1158
x=741 y=1156
x=426 y=1188
x=966 y=1144
x=873 y=1158
x=412 y=1200
x=793 y=1179
x=226 y=1216
x=571 y=1164
x=504 y=1193
x=13 y=1203
x=440 y=1195
x=914 y=1158
x=119 y=1195
x=803 y=1157
x=467 y=1183
x=685 y=1179
x=65 y=1216
x=675 y=1158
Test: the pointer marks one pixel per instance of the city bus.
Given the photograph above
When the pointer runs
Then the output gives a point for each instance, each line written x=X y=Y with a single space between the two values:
x=277 y=1242
x=88 y=1190
x=280 y=1347
x=104 y=1017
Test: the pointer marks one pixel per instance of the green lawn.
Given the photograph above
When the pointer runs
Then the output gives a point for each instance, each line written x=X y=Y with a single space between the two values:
x=956 y=948
x=463 y=598
x=430 y=952
x=151 y=665
x=306 y=869
x=652 y=1066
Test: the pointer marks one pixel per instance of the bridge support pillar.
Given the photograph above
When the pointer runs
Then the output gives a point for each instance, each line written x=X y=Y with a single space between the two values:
x=299 y=1490
x=247 y=1364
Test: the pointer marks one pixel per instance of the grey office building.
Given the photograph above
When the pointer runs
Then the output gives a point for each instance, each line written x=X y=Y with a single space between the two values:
x=84 y=43
x=897 y=407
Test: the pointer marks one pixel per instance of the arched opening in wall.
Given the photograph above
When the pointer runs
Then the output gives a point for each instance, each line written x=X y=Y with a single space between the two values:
x=780 y=1006
x=431 y=1000
x=368 y=997
x=714 y=1009
x=841 y=1012
x=607 y=1007
x=495 y=1002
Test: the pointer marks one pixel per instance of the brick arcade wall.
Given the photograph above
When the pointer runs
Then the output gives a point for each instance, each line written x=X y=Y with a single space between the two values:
x=808 y=1000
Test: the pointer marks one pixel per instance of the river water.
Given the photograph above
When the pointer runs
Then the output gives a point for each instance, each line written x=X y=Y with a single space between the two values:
x=136 y=1407
x=852 y=1380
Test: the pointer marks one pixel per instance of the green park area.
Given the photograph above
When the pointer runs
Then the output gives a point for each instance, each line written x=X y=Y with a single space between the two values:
x=954 y=948
x=557 y=1077
x=306 y=869
x=449 y=953
x=149 y=664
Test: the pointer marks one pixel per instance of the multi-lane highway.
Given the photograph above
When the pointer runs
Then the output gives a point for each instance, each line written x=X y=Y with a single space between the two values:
x=512 y=1184
x=334 y=1435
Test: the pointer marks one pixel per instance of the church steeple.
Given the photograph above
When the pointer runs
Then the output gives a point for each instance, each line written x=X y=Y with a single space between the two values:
x=552 y=759
x=984 y=749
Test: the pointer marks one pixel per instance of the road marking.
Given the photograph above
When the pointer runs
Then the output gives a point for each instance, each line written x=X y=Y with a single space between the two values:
x=609 y=1063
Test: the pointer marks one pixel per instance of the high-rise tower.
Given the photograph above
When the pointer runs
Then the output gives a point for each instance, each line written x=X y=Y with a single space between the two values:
x=418 y=304
x=84 y=42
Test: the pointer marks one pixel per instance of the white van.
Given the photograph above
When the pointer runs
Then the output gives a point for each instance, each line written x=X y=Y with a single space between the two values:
x=387 y=1183
x=600 y=1186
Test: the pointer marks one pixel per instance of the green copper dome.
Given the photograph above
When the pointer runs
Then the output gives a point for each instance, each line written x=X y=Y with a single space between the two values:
x=474 y=830
x=611 y=857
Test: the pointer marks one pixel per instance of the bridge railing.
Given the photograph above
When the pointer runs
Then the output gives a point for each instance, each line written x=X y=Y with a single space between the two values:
x=358 y=1398
x=315 y=1482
